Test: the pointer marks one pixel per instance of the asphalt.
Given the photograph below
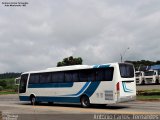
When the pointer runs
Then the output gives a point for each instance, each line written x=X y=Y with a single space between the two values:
x=12 y=108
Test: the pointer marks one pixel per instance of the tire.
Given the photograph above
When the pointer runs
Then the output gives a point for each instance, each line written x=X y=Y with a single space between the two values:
x=143 y=82
x=85 y=103
x=50 y=103
x=33 y=100
x=157 y=82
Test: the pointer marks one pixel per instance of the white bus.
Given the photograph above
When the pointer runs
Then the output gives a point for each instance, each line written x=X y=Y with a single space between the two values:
x=85 y=84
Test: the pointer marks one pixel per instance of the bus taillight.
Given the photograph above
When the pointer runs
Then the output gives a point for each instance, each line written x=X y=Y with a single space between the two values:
x=117 y=86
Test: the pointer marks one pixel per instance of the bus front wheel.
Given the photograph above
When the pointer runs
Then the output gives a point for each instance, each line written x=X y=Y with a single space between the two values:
x=85 y=103
x=33 y=100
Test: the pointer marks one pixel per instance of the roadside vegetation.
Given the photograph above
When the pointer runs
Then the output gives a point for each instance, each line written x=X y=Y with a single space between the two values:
x=7 y=83
x=7 y=86
x=148 y=94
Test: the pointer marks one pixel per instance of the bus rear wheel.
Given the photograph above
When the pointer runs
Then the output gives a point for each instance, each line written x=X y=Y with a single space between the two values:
x=85 y=103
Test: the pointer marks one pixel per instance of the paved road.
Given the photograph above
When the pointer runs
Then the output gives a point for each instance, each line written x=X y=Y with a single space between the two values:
x=9 y=104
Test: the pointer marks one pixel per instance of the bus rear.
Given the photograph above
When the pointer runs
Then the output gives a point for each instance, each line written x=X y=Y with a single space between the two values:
x=126 y=86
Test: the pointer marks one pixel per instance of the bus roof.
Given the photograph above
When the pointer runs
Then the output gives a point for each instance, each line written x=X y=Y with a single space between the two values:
x=71 y=67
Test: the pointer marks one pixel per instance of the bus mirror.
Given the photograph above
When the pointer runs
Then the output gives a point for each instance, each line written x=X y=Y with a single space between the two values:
x=17 y=81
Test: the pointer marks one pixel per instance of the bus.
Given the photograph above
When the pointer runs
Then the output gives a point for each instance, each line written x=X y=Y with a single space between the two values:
x=86 y=84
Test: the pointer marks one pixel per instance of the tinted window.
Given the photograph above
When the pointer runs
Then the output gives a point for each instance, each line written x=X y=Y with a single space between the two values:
x=45 y=77
x=58 y=77
x=104 y=74
x=75 y=76
x=23 y=83
x=100 y=75
x=34 y=78
x=108 y=74
x=86 y=75
x=68 y=76
x=126 y=70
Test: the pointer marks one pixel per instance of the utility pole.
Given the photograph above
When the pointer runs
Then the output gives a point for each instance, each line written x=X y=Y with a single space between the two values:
x=123 y=54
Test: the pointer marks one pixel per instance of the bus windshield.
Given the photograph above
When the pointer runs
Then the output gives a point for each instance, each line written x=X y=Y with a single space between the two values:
x=126 y=70
x=23 y=83
x=149 y=73
x=137 y=74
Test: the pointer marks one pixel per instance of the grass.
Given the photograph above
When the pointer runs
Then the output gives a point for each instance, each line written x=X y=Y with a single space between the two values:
x=148 y=95
x=149 y=92
x=7 y=92
x=149 y=98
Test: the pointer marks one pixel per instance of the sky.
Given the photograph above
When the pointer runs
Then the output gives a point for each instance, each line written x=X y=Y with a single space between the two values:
x=44 y=32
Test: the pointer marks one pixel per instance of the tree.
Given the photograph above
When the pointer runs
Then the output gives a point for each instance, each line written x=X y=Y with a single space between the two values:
x=70 y=61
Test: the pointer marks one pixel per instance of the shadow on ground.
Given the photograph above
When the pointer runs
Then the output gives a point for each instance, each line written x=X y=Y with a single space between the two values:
x=93 y=106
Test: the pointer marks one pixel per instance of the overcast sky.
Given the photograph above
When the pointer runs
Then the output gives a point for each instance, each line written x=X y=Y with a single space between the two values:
x=45 y=31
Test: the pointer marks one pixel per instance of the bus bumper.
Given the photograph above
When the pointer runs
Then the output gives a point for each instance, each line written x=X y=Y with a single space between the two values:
x=126 y=99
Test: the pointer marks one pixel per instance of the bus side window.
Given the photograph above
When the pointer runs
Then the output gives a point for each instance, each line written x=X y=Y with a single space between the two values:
x=99 y=75
x=104 y=74
x=75 y=76
x=109 y=74
x=58 y=77
x=34 y=78
x=86 y=75
x=45 y=78
x=68 y=76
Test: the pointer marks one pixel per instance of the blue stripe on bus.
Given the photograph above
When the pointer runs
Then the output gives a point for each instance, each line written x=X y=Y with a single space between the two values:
x=24 y=98
x=92 y=88
x=101 y=66
x=52 y=99
x=81 y=90
x=58 y=99
x=125 y=88
x=50 y=85
x=89 y=91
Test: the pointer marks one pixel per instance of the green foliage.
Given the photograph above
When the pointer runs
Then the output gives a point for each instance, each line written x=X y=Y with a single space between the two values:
x=3 y=83
x=8 y=83
x=1 y=88
x=70 y=61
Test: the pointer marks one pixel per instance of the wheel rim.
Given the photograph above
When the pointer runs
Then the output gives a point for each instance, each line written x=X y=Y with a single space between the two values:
x=33 y=100
x=85 y=102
